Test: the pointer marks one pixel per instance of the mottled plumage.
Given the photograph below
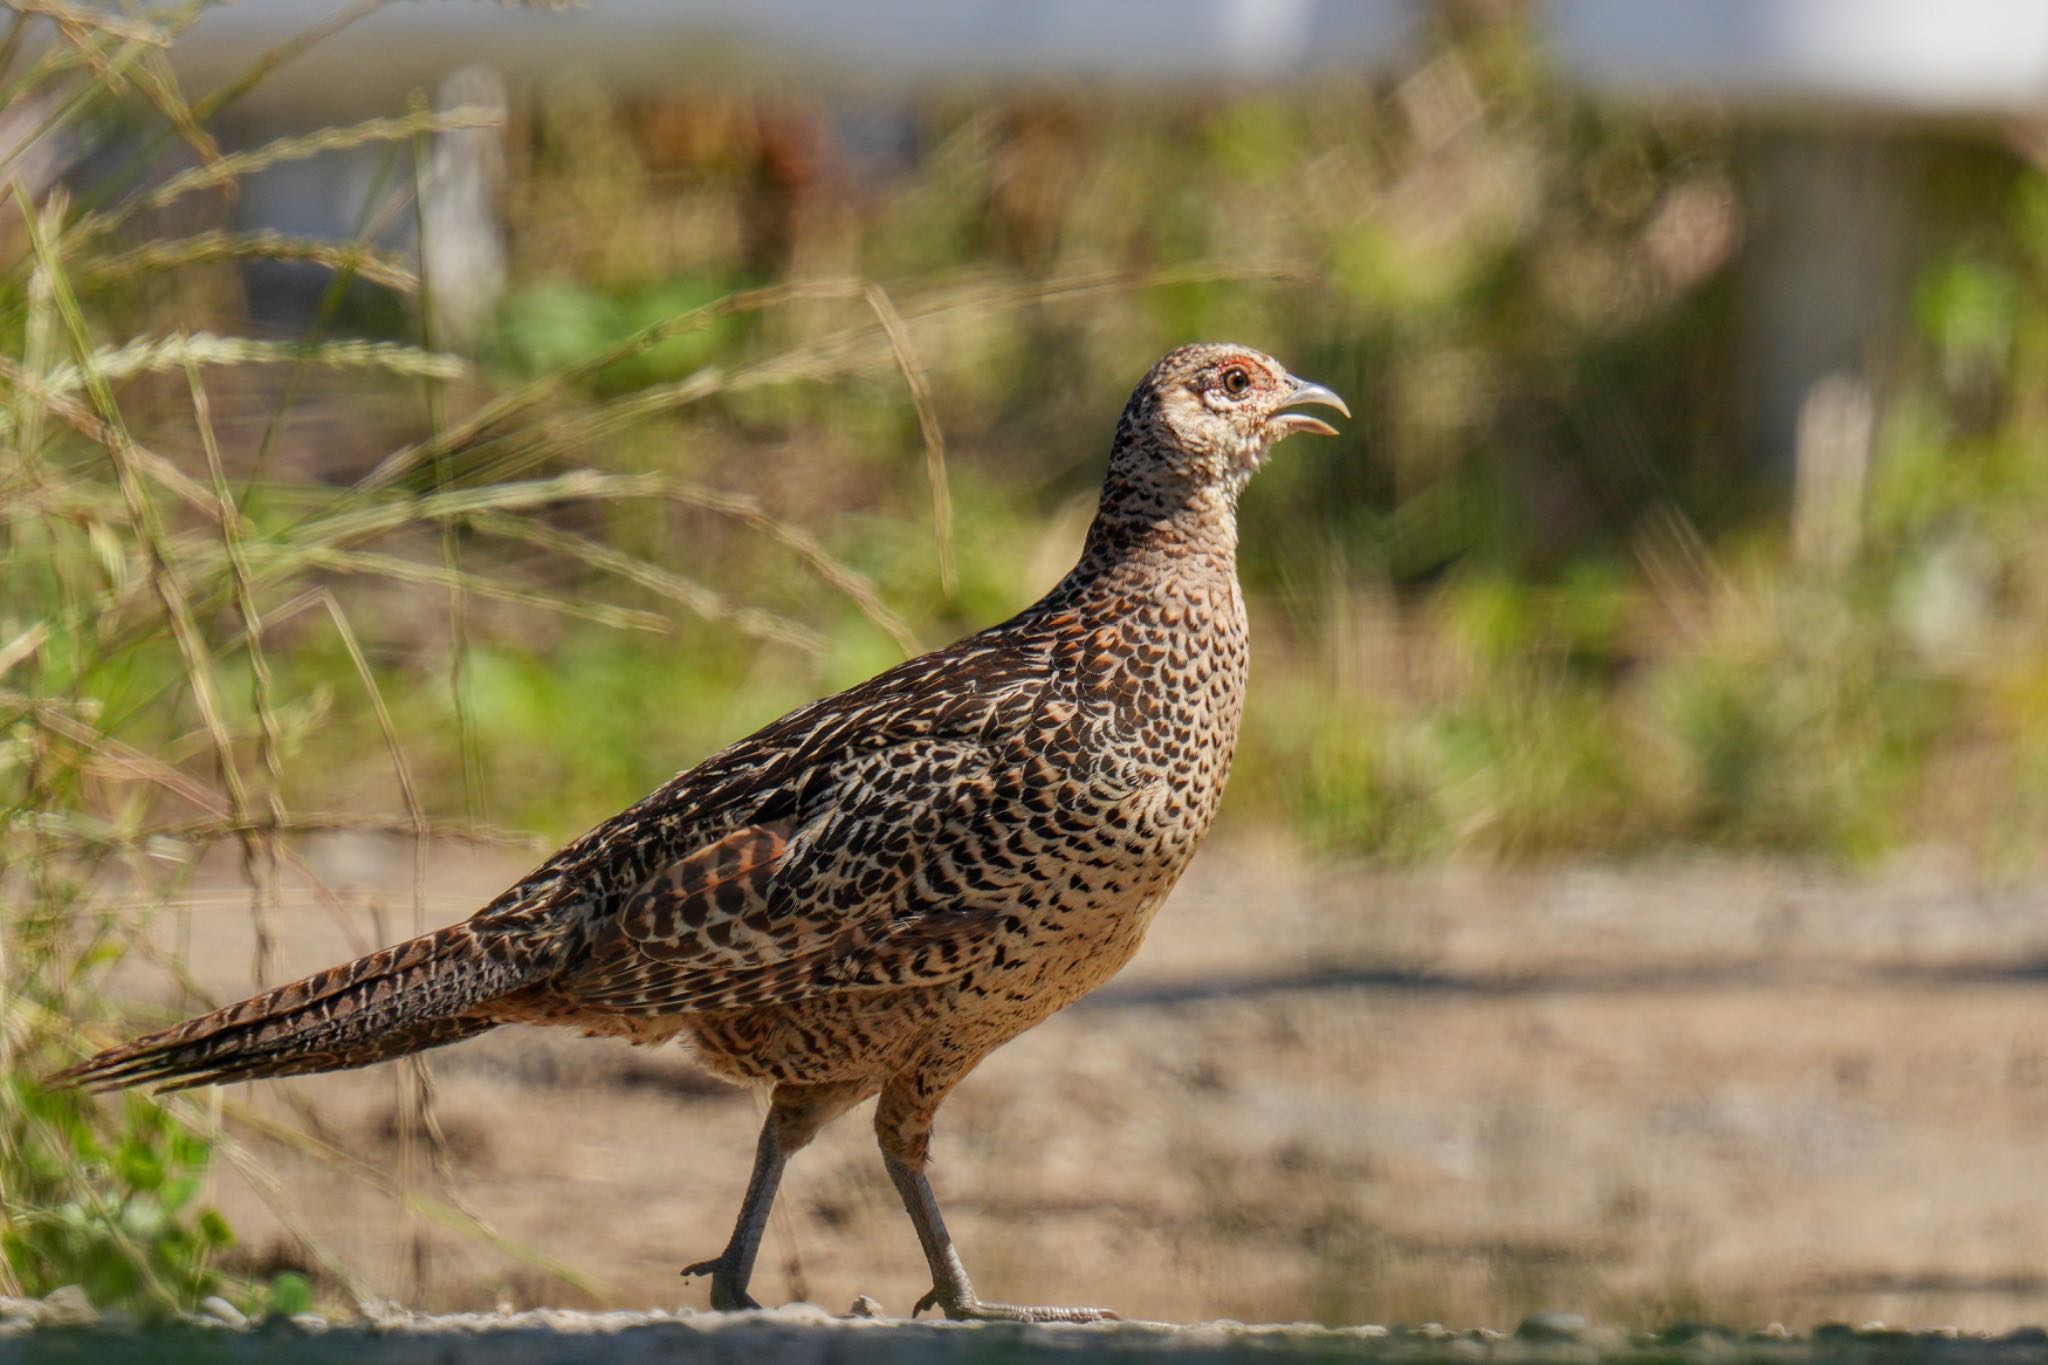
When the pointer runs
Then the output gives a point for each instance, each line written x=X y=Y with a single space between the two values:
x=874 y=892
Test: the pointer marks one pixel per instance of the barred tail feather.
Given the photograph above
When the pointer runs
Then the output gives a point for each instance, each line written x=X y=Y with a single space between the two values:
x=404 y=1042
x=406 y=998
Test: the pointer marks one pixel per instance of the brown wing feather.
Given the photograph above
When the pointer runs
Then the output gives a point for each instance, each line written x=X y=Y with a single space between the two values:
x=712 y=907
x=935 y=949
x=835 y=898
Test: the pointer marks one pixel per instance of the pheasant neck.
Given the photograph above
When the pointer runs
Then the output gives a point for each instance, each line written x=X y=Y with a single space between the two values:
x=1158 y=539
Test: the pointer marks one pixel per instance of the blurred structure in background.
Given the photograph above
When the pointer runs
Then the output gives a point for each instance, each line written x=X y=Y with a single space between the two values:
x=1840 y=101
x=1847 y=102
x=874 y=69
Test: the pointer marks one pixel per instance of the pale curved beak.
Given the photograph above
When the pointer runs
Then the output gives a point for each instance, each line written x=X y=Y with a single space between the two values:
x=1288 y=423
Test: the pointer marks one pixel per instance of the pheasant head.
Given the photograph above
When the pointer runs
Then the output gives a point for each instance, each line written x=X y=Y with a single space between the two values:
x=1200 y=424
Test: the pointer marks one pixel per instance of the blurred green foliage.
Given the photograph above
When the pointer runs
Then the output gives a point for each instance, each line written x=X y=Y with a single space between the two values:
x=110 y=1209
x=1539 y=602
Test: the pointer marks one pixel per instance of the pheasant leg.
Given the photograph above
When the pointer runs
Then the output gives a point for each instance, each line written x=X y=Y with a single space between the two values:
x=734 y=1267
x=795 y=1115
x=951 y=1292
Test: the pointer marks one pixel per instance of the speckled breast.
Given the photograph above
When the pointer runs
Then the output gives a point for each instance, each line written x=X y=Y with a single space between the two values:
x=1162 y=685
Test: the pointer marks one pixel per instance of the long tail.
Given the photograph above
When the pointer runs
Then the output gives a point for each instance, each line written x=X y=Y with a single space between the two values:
x=415 y=995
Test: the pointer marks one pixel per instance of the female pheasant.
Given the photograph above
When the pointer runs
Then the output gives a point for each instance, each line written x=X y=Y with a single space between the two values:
x=876 y=891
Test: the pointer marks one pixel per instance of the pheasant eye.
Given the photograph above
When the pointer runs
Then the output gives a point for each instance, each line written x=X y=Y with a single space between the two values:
x=1236 y=382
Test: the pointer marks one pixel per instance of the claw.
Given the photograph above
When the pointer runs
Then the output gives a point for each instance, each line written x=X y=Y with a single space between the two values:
x=974 y=1310
x=726 y=1297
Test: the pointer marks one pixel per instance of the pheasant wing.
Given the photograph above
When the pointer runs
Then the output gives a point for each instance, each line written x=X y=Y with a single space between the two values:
x=889 y=874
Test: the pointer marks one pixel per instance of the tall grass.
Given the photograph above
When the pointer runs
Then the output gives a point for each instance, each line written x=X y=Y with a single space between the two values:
x=1542 y=601
x=143 y=722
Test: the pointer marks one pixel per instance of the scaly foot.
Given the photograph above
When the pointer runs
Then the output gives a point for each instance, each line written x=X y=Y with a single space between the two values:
x=728 y=1295
x=971 y=1309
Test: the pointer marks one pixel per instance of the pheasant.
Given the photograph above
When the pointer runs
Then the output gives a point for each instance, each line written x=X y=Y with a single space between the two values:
x=871 y=894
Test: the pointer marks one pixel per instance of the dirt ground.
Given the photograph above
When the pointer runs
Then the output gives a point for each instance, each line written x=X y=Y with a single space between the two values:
x=1736 y=1092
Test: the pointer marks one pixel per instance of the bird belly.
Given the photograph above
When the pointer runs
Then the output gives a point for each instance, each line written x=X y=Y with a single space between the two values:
x=848 y=1036
x=1079 y=935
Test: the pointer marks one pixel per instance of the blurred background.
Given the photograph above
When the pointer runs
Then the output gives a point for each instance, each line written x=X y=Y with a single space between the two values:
x=424 y=428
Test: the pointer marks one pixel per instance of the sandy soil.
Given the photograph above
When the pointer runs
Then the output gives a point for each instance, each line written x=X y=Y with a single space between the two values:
x=1731 y=1092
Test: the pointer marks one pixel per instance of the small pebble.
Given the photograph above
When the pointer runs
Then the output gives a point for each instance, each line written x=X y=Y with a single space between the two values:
x=864 y=1307
x=1552 y=1327
x=798 y=1311
x=310 y=1323
x=67 y=1307
x=214 y=1306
